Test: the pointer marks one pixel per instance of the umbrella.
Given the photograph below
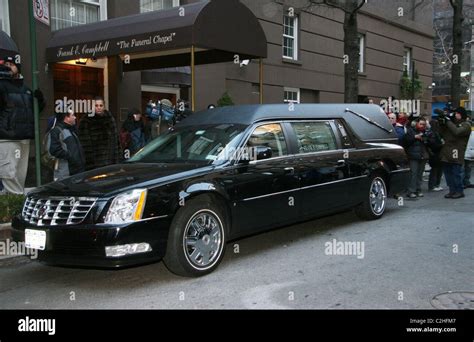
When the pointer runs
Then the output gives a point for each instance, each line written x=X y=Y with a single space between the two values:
x=7 y=45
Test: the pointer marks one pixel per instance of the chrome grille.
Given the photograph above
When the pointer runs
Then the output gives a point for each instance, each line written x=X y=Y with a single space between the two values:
x=56 y=211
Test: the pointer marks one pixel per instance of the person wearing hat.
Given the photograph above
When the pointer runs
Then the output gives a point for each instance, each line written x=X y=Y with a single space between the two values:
x=17 y=123
x=455 y=132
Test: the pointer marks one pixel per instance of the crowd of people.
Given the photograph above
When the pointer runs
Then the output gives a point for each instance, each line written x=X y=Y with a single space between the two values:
x=446 y=143
x=70 y=147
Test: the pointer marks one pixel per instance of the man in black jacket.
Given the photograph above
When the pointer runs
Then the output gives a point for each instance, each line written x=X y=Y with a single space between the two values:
x=65 y=146
x=17 y=124
x=99 y=137
x=416 y=143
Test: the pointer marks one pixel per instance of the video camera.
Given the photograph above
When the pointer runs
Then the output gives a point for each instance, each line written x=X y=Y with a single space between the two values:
x=443 y=118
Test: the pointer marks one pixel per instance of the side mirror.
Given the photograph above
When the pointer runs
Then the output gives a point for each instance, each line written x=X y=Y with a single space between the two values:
x=263 y=152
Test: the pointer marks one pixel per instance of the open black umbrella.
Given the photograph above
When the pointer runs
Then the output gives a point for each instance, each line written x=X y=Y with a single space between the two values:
x=7 y=45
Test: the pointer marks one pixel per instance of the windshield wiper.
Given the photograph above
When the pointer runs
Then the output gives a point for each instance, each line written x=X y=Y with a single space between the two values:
x=369 y=120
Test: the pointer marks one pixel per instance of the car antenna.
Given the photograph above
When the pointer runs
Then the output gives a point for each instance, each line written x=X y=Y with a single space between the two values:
x=369 y=120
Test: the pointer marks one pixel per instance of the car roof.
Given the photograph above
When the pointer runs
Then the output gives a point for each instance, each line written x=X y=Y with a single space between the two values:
x=250 y=114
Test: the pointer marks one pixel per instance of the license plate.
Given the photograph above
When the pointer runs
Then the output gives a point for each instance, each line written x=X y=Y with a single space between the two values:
x=35 y=239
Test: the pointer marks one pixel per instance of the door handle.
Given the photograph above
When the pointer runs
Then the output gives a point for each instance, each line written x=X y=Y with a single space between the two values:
x=341 y=162
x=289 y=170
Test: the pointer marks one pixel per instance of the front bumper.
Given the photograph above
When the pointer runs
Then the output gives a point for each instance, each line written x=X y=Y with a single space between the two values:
x=84 y=245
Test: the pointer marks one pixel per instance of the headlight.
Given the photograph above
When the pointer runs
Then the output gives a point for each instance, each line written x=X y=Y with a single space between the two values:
x=127 y=207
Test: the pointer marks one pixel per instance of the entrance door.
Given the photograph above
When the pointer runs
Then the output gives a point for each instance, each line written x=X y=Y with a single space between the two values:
x=77 y=83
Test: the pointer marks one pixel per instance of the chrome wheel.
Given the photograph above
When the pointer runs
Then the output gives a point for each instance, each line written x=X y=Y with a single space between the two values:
x=203 y=239
x=378 y=196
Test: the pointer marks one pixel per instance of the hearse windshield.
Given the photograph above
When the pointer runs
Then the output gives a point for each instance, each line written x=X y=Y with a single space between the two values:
x=213 y=144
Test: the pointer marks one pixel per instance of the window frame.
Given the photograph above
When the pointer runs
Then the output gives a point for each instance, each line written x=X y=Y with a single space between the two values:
x=294 y=37
x=5 y=10
x=101 y=5
x=175 y=3
x=292 y=90
x=362 y=48
x=407 y=61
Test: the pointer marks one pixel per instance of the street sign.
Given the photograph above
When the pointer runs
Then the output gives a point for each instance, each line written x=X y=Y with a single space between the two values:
x=41 y=11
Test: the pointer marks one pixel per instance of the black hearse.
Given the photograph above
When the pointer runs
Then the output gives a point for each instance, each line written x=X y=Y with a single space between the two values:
x=219 y=175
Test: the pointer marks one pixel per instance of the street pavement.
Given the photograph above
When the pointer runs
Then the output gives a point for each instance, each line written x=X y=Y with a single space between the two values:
x=415 y=252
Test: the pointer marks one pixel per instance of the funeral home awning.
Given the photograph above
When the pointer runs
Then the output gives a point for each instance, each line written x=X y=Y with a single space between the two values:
x=217 y=30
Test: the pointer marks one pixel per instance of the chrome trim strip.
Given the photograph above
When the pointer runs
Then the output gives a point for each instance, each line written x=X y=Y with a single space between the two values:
x=401 y=170
x=333 y=182
x=269 y=195
x=303 y=188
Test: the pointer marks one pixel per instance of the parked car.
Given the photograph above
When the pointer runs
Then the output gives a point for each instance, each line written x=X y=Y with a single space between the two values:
x=219 y=175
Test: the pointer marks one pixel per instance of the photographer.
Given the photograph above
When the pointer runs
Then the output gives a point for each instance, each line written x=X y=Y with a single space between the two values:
x=455 y=131
x=416 y=142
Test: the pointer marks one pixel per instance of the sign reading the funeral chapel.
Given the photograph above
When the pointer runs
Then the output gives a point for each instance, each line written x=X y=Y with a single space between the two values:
x=41 y=11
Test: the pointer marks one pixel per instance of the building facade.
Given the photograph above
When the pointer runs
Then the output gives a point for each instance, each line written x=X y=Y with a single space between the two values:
x=305 y=58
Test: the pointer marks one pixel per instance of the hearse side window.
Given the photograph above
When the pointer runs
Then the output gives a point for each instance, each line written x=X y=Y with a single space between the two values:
x=272 y=136
x=314 y=136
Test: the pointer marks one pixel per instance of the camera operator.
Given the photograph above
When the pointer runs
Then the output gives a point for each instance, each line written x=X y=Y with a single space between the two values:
x=416 y=142
x=455 y=131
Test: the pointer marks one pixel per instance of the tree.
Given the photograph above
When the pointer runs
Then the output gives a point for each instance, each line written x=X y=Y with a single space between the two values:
x=351 y=43
x=458 y=19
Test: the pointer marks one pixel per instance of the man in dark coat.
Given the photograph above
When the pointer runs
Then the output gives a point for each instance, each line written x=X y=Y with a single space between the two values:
x=455 y=132
x=133 y=137
x=99 y=137
x=66 y=147
x=17 y=123
x=416 y=144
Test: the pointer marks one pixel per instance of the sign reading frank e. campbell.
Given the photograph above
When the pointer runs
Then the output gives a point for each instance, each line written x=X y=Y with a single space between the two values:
x=113 y=47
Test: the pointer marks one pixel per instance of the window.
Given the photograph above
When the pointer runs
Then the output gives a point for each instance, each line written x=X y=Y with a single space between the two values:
x=4 y=16
x=314 y=136
x=361 y=53
x=407 y=60
x=69 y=13
x=290 y=37
x=270 y=135
x=210 y=144
x=156 y=5
x=291 y=95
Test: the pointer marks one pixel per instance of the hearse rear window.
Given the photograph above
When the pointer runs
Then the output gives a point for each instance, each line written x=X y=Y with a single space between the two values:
x=314 y=136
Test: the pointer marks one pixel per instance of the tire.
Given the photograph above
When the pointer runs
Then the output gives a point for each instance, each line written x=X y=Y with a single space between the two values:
x=197 y=238
x=375 y=202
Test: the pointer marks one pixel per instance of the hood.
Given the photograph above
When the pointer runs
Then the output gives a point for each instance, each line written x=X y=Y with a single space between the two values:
x=111 y=180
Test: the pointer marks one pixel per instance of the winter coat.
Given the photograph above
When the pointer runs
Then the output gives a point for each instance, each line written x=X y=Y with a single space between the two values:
x=470 y=148
x=65 y=146
x=400 y=130
x=99 y=138
x=17 y=120
x=455 y=135
x=135 y=131
x=417 y=149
